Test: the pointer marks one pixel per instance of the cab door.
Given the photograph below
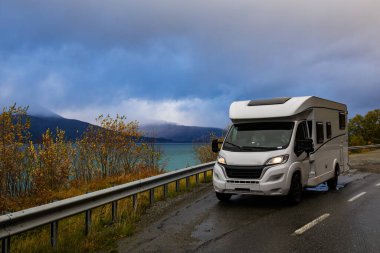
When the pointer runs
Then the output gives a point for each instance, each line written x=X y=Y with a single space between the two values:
x=302 y=156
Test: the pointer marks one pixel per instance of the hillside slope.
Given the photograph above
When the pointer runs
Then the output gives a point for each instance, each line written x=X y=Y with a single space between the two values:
x=179 y=133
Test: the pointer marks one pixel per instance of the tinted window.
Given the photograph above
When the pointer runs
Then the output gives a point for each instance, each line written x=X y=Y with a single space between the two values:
x=301 y=131
x=310 y=126
x=320 y=135
x=301 y=135
x=342 y=121
x=328 y=130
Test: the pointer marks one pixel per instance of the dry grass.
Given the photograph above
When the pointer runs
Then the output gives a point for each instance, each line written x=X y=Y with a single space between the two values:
x=14 y=204
x=104 y=233
x=368 y=161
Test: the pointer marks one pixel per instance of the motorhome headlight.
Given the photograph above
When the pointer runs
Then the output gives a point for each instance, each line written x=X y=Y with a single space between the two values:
x=221 y=160
x=277 y=160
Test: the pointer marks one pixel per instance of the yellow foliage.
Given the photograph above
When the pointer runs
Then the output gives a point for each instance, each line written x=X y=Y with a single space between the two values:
x=204 y=152
x=14 y=178
x=33 y=174
x=112 y=149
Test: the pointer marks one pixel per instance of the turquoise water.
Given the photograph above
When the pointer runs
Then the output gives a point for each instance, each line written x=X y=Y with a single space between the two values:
x=178 y=155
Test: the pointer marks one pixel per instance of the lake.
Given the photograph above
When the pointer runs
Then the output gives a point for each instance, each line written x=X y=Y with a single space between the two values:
x=178 y=155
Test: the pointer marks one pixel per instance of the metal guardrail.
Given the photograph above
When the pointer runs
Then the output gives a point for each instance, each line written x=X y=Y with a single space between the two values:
x=364 y=147
x=21 y=221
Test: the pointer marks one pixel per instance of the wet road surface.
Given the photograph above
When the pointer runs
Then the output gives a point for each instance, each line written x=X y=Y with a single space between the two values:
x=346 y=220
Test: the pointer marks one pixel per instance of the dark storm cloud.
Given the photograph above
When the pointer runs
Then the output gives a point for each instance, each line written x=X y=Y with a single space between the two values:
x=69 y=55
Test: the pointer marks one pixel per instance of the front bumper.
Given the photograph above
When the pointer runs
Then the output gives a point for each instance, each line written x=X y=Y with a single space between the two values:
x=273 y=181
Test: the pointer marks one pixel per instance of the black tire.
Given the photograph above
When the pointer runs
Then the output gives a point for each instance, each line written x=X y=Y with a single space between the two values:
x=224 y=197
x=295 y=191
x=333 y=182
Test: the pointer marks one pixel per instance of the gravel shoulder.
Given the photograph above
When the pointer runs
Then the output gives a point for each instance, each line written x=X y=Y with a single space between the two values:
x=161 y=208
x=368 y=161
x=147 y=229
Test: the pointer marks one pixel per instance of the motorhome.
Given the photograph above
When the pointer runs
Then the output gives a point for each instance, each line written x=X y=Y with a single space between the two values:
x=280 y=146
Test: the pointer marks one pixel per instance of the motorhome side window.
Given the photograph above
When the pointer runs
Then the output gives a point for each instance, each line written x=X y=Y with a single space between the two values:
x=320 y=135
x=342 y=120
x=310 y=126
x=301 y=135
x=328 y=130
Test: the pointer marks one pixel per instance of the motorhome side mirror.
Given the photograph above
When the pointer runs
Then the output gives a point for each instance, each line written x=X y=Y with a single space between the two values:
x=308 y=146
x=305 y=145
x=215 y=146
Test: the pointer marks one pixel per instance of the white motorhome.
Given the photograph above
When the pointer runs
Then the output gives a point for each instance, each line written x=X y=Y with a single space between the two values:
x=280 y=146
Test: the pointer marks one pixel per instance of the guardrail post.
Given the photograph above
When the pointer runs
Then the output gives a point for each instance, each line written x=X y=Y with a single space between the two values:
x=197 y=178
x=151 y=196
x=177 y=185
x=165 y=191
x=134 y=201
x=88 y=222
x=114 y=211
x=6 y=245
x=204 y=176
x=187 y=182
x=54 y=234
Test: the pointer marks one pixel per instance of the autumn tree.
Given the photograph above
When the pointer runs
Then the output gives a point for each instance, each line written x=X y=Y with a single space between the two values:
x=53 y=161
x=14 y=134
x=204 y=152
x=112 y=148
x=365 y=129
x=151 y=156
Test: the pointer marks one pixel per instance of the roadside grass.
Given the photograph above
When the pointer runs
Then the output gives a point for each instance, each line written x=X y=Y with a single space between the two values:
x=75 y=188
x=358 y=151
x=104 y=232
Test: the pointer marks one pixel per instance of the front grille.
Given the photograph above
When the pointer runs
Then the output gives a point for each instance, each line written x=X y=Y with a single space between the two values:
x=242 y=181
x=236 y=171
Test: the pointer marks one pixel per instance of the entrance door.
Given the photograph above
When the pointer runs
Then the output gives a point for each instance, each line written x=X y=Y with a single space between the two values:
x=302 y=157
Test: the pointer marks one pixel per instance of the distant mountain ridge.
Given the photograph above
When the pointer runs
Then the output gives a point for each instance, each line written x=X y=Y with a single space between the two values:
x=162 y=133
x=39 y=124
x=180 y=133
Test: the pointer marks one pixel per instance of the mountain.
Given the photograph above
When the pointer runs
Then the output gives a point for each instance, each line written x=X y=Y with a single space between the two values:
x=73 y=128
x=180 y=133
x=42 y=119
x=42 y=112
x=39 y=124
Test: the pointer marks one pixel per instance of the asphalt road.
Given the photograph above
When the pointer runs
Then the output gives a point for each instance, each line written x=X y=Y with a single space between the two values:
x=347 y=220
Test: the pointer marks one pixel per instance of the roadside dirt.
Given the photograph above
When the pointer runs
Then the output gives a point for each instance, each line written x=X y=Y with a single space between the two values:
x=161 y=208
x=368 y=161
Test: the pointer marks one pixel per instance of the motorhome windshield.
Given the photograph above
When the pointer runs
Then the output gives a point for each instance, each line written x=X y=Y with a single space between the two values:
x=261 y=136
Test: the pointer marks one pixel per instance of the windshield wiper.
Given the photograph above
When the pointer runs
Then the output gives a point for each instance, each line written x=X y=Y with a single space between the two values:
x=232 y=144
x=259 y=148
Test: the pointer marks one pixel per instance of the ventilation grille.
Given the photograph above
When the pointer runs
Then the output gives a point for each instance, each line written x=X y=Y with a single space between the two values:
x=250 y=172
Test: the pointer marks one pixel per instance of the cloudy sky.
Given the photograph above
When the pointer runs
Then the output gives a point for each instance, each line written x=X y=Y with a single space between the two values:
x=185 y=61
